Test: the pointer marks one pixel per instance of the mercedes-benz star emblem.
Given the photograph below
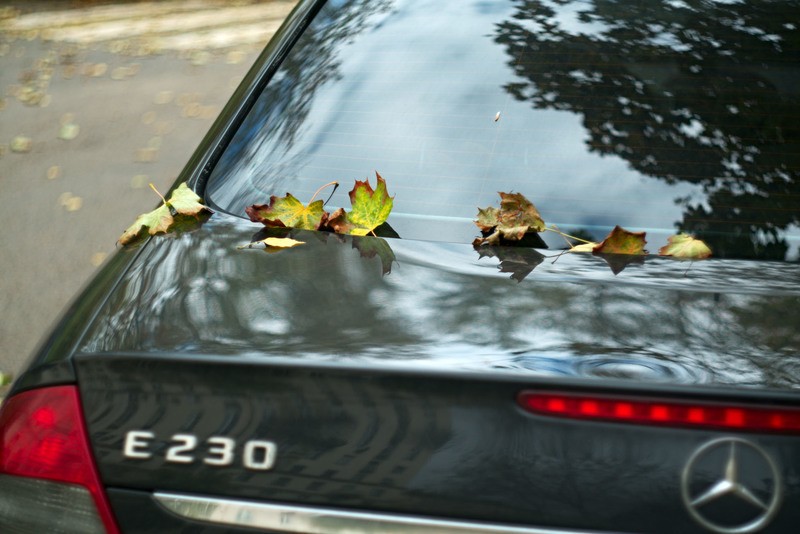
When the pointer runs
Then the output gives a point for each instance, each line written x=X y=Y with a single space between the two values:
x=731 y=486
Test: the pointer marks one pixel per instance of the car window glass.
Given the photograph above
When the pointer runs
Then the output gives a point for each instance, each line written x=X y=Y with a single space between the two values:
x=659 y=116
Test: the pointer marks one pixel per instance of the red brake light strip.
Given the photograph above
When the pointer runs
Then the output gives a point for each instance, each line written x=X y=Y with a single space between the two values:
x=634 y=410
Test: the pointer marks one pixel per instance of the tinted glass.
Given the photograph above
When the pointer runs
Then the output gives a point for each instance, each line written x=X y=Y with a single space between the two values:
x=654 y=115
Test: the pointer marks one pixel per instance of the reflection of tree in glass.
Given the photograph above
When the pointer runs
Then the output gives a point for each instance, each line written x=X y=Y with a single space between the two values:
x=692 y=91
x=220 y=299
x=283 y=106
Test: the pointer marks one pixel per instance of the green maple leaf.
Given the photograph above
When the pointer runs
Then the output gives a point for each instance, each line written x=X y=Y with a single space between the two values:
x=516 y=217
x=685 y=246
x=288 y=212
x=188 y=209
x=153 y=222
x=370 y=209
x=186 y=202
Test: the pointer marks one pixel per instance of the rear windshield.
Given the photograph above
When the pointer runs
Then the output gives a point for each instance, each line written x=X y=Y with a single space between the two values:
x=662 y=116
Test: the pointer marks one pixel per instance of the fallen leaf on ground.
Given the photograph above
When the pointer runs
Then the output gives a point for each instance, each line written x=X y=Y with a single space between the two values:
x=69 y=131
x=70 y=202
x=21 y=144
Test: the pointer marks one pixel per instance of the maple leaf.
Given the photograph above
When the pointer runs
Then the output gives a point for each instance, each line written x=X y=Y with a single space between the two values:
x=186 y=202
x=370 y=209
x=153 y=222
x=686 y=247
x=488 y=218
x=189 y=213
x=516 y=217
x=619 y=249
x=288 y=212
x=622 y=241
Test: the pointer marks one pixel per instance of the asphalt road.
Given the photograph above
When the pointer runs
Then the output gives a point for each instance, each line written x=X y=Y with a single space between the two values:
x=95 y=103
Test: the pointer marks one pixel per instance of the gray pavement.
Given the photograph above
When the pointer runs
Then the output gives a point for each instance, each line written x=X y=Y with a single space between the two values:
x=95 y=103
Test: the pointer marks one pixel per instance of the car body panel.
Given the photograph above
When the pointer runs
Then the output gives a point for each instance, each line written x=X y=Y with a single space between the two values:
x=410 y=408
x=402 y=442
x=715 y=323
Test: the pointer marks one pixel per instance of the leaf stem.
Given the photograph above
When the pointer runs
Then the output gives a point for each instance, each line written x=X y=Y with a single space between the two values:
x=335 y=185
x=562 y=234
x=157 y=193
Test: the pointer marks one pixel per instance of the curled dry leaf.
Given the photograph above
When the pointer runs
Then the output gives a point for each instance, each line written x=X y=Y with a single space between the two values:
x=686 y=247
x=622 y=241
x=516 y=217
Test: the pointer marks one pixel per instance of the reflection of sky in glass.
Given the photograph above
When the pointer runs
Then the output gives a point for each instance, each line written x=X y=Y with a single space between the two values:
x=416 y=98
x=486 y=97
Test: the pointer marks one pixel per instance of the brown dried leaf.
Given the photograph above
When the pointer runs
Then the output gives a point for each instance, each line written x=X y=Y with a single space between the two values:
x=516 y=217
x=621 y=241
x=288 y=212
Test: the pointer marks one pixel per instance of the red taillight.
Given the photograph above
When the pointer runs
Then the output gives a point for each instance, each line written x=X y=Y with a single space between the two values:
x=662 y=412
x=42 y=436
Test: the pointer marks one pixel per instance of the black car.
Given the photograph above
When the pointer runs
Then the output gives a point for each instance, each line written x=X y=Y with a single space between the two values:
x=412 y=380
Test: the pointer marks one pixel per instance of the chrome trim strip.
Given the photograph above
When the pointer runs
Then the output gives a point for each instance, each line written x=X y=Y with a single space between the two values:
x=313 y=520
